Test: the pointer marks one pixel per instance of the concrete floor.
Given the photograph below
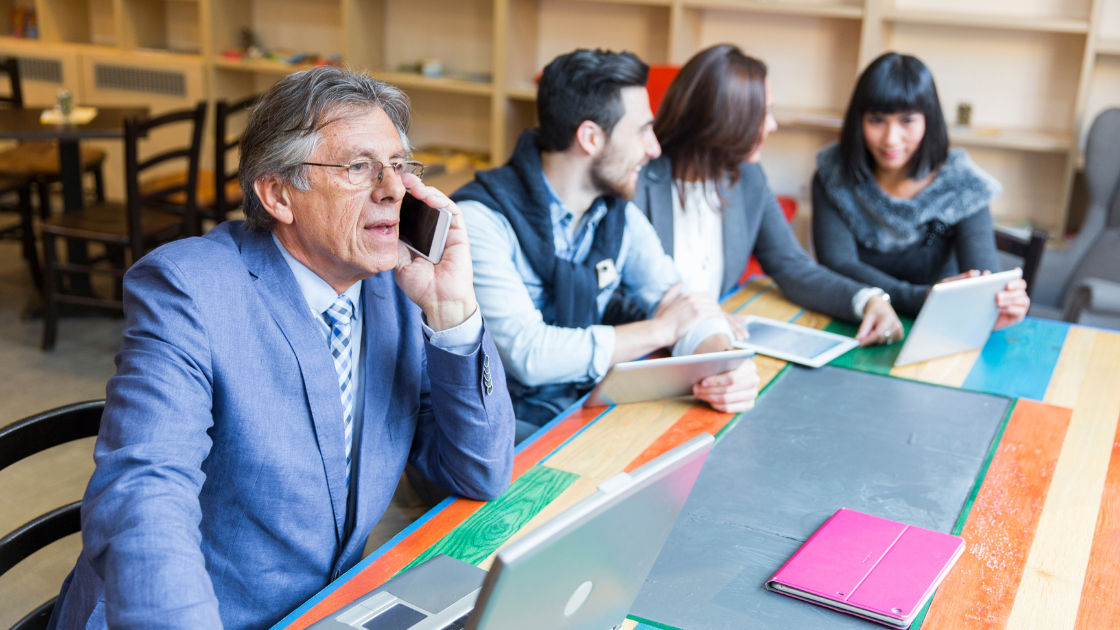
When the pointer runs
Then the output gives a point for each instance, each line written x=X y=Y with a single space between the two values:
x=32 y=381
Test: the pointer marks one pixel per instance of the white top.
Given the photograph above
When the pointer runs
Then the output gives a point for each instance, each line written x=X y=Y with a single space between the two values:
x=698 y=236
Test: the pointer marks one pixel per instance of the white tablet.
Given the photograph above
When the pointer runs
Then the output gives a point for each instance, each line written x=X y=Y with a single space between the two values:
x=655 y=379
x=793 y=343
x=958 y=316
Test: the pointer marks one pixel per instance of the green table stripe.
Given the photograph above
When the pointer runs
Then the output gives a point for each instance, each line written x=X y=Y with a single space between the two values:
x=873 y=359
x=652 y=624
x=494 y=523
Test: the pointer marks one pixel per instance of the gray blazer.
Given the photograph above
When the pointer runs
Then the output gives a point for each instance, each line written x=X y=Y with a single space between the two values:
x=752 y=223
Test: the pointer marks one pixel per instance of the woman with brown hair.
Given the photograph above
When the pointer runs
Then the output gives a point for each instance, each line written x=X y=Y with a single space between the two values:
x=709 y=202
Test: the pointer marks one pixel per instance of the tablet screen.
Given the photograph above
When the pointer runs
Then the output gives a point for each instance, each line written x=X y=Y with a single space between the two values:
x=806 y=345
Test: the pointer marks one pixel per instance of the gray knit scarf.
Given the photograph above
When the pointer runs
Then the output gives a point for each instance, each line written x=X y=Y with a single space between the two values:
x=889 y=224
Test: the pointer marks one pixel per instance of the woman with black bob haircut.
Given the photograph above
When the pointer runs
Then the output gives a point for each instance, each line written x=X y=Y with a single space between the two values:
x=894 y=206
x=709 y=202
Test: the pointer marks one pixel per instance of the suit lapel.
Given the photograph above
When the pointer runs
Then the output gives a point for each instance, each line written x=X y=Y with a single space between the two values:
x=281 y=295
x=736 y=249
x=382 y=329
x=660 y=196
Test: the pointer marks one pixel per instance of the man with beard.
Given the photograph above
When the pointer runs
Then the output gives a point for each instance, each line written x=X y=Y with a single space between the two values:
x=570 y=276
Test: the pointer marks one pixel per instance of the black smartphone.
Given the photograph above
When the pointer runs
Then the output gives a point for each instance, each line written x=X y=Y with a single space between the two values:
x=423 y=229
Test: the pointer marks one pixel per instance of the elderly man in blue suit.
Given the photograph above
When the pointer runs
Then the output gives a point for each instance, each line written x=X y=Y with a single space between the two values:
x=276 y=375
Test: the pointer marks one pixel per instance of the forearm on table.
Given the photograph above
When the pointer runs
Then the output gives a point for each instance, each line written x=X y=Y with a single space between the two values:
x=635 y=340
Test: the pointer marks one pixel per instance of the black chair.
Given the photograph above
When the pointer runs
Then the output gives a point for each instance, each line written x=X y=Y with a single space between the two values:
x=148 y=218
x=25 y=438
x=1030 y=250
x=19 y=185
x=227 y=189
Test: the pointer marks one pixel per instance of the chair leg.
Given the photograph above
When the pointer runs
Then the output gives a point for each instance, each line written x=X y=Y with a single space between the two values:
x=117 y=259
x=44 y=190
x=27 y=226
x=99 y=182
x=50 y=293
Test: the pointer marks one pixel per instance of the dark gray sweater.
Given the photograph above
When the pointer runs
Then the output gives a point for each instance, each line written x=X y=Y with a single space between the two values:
x=941 y=251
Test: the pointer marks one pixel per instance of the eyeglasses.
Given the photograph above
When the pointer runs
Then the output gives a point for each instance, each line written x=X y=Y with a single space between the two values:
x=364 y=173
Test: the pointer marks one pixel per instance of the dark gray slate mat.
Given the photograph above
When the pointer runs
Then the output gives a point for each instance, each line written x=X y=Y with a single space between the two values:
x=818 y=440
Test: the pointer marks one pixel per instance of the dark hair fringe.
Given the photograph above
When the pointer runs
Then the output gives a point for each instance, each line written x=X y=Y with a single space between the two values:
x=584 y=85
x=894 y=83
x=712 y=115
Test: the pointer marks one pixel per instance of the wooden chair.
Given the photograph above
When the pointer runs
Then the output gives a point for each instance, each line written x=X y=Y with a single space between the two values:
x=146 y=220
x=25 y=438
x=1030 y=250
x=19 y=185
x=38 y=159
x=219 y=192
x=227 y=187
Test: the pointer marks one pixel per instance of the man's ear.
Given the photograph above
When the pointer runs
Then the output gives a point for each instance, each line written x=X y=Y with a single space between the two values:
x=590 y=138
x=274 y=196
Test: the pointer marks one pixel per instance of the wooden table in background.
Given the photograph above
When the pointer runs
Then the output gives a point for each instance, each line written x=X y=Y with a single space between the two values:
x=1042 y=528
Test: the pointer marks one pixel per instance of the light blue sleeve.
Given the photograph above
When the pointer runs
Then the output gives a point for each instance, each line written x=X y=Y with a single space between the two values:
x=462 y=340
x=532 y=351
x=648 y=272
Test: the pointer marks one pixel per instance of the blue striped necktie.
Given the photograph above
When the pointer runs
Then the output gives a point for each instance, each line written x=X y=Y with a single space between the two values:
x=338 y=316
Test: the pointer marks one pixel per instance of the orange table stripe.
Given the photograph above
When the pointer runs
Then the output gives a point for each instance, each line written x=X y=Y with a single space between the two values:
x=1100 y=594
x=699 y=419
x=441 y=524
x=980 y=590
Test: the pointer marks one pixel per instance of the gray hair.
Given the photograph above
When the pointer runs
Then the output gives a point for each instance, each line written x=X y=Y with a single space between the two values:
x=283 y=128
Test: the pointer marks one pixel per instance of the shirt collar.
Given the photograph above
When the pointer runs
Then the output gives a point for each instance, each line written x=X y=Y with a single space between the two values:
x=562 y=215
x=316 y=291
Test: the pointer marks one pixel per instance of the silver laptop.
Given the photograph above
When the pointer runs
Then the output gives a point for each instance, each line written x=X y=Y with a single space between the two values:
x=582 y=570
x=957 y=316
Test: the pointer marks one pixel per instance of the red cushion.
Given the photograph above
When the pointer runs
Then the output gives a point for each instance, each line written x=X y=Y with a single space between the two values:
x=789 y=208
x=659 y=79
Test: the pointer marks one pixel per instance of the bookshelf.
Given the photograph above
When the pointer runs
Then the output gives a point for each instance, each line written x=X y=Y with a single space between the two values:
x=1036 y=72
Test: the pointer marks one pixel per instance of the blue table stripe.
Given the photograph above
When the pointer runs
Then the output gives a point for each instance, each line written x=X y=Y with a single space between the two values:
x=1018 y=361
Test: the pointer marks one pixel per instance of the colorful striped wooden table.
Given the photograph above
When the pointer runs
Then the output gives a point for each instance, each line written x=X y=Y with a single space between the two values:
x=1042 y=526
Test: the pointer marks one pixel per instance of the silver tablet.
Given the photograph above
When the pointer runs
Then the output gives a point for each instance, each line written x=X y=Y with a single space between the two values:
x=655 y=379
x=793 y=343
x=958 y=316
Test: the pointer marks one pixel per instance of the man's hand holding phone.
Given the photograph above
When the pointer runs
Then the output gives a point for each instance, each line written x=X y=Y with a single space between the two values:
x=445 y=292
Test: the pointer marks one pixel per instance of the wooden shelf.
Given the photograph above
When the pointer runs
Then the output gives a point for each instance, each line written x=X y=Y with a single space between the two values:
x=804 y=118
x=981 y=20
x=1108 y=46
x=644 y=3
x=453 y=86
x=523 y=93
x=1015 y=139
x=782 y=7
x=263 y=66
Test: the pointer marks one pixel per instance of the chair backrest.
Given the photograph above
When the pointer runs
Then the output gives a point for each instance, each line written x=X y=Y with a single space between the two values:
x=1030 y=250
x=25 y=438
x=10 y=67
x=134 y=131
x=223 y=175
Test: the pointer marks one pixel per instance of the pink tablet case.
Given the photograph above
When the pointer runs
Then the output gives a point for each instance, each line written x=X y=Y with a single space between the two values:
x=872 y=564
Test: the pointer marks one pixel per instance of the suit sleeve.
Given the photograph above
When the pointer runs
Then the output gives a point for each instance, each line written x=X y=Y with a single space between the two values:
x=464 y=436
x=141 y=513
x=836 y=249
x=802 y=280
